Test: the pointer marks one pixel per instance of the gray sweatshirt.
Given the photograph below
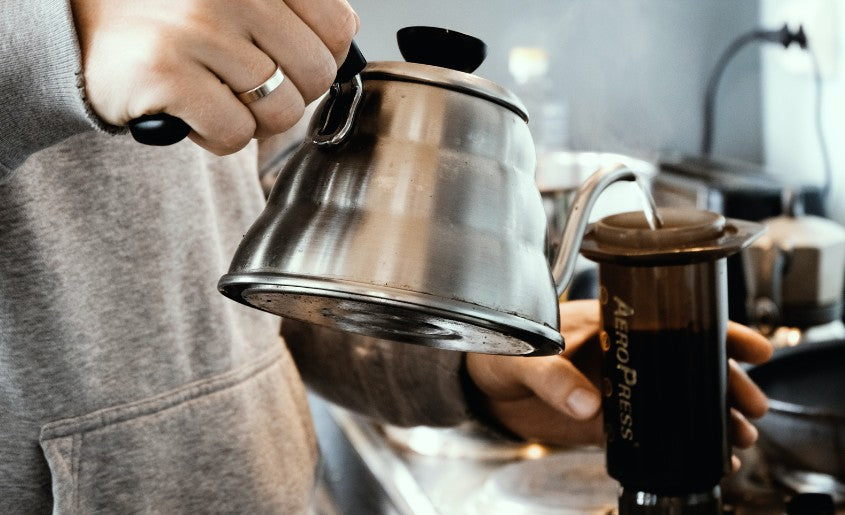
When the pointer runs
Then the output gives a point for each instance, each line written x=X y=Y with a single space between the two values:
x=127 y=382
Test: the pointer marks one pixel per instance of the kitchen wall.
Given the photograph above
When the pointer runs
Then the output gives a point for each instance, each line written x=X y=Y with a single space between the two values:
x=790 y=138
x=632 y=72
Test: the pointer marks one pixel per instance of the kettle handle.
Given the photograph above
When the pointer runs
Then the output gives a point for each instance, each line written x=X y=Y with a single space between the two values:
x=162 y=129
x=337 y=116
x=579 y=213
x=332 y=130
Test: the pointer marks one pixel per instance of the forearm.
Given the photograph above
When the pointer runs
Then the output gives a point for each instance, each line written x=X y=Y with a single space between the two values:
x=41 y=90
x=398 y=383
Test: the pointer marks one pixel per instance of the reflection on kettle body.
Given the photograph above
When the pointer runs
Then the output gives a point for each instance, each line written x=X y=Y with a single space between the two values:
x=423 y=224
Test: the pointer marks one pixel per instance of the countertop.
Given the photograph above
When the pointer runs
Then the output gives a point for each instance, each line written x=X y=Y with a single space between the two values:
x=369 y=468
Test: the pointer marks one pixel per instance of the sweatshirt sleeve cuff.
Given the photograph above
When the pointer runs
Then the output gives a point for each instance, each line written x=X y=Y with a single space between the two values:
x=398 y=383
x=41 y=81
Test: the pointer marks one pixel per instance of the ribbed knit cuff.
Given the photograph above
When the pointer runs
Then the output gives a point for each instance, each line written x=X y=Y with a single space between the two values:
x=41 y=89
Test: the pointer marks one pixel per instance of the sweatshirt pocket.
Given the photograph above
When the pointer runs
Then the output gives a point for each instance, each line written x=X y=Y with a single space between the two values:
x=241 y=442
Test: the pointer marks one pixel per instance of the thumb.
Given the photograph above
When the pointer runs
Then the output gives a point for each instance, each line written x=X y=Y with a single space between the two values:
x=563 y=387
x=552 y=379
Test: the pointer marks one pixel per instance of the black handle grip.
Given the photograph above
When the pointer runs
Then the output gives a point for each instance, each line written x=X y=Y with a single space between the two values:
x=352 y=65
x=163 y=129
x=441 y=47
x=158 y=129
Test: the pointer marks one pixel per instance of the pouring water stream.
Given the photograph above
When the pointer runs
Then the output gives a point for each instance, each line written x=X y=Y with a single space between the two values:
x=649 y=206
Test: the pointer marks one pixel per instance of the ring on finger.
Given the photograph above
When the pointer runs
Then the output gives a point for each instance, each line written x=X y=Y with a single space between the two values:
x=263 y=89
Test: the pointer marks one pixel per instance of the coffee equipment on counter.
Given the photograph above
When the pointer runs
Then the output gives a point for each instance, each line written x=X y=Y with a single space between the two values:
x=734 y=188
x=802 y=437
x=411 y=213
x=663 y=296
x=794 y=276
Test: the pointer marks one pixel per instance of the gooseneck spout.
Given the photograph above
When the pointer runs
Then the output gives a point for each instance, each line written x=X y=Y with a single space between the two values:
x=579 y=214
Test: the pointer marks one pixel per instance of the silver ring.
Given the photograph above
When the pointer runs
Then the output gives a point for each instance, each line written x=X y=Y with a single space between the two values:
x=263 y=89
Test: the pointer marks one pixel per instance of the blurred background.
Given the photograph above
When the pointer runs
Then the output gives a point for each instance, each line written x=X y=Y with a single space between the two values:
x=630 y=76
x=631 y=80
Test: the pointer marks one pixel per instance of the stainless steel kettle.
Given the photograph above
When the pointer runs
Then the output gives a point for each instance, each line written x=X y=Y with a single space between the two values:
x=411 y=214
x=795 y=276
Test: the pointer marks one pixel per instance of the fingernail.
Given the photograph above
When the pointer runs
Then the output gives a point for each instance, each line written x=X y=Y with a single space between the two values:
x=583 y=403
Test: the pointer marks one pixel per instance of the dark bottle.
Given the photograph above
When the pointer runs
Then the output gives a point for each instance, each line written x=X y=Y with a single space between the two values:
x=665 y=376
x=663 y=295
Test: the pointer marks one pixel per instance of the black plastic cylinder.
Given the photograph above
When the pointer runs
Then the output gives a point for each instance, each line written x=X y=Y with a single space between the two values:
x=665 y=376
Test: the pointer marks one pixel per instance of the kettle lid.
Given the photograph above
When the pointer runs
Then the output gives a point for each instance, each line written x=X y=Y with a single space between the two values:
x=443 y=58
x=796 y=230
x=805 y=231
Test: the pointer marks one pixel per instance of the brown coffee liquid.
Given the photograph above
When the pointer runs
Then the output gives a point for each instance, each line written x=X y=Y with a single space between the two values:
x=665 y=410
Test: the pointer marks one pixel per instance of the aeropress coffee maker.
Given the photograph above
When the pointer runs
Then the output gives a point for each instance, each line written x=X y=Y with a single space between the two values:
x=663 y=296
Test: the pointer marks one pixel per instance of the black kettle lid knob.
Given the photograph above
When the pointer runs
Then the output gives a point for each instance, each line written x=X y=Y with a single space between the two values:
x=441 y=47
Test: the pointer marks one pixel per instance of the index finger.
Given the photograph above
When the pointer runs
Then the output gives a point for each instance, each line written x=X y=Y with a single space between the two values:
x=580 y=320
x=334 y=21
x=747 y=345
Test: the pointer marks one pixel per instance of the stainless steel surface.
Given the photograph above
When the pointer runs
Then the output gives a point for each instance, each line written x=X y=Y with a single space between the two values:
x=561 y=172
x=336 y=137
x=424 y=225
x=345 y=483
x=795 y=273
x=541 y=480
x=468 y=441
x=446 y=78
x=565 y=482
x=398 y=315
x=425 y=477
x=735 y=189
x=646 y=503
x=576 y=222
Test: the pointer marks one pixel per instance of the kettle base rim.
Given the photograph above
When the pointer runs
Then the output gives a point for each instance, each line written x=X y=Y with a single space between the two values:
x=392 y=314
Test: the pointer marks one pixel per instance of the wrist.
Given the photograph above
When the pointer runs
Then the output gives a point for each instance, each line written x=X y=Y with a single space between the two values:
x=478 y=406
